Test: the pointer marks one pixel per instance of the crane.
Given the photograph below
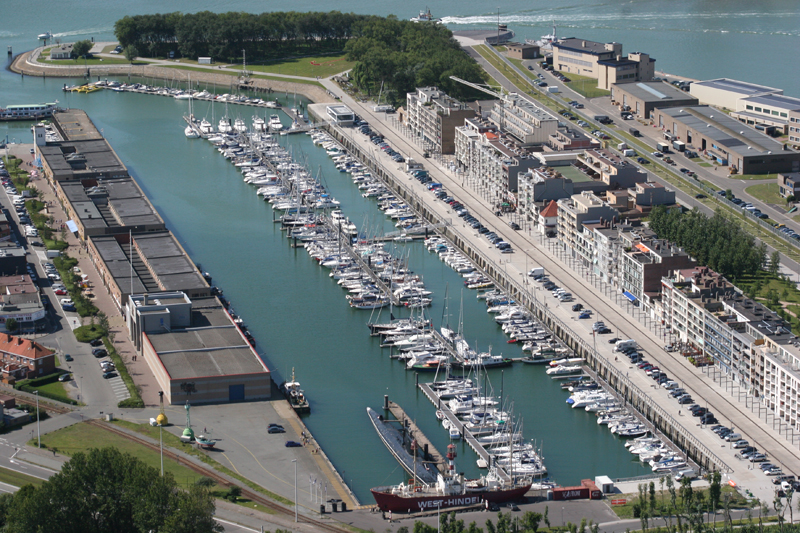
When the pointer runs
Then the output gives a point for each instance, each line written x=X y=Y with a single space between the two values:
x=478 y=87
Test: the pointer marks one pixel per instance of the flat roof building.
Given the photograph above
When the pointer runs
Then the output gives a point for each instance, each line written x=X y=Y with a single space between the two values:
x=153 y=262
x=602 y=61
x=724 y=92
x=771 y=110
x=108 y=206
x=524 y=120
x=195 y=350
x=434 y=116
x=522 y=51
x=341 y=115
x=728 y=141
x=645 y=96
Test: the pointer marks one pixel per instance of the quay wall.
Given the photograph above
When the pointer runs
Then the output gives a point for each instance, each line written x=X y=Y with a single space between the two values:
x=635 y=397
x=25 y=65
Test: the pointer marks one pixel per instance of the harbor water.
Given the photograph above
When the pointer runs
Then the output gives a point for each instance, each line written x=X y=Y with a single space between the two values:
x=297 y=313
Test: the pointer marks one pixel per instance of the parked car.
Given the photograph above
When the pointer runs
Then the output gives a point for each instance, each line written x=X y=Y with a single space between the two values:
x=109 y=375
x=685 y=399
x=99 y=352
x=293 y=444
x=741 y=443
x=64 y=377
x=68 y=358
x=585 y=314
x=276 y=429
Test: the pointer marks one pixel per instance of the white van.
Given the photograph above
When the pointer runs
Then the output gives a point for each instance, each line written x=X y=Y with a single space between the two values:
x=622 y=345
x=733 y=437
x=690 y=473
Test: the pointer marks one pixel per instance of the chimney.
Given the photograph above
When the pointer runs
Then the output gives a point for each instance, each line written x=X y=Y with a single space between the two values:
x=19 y=341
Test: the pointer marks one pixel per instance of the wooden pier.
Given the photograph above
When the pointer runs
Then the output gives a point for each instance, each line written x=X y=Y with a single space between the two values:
x=436 y=458
x=465 y=434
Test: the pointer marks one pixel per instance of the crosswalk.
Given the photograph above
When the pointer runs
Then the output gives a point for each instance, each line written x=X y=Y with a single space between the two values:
x=119 y=388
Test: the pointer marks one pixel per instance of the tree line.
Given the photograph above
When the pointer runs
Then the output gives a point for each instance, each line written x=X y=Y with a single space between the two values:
x=399 y=55
x=713 y=241
x=225 y=35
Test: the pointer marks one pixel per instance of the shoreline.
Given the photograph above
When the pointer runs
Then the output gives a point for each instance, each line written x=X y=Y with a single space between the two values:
x=22 y=65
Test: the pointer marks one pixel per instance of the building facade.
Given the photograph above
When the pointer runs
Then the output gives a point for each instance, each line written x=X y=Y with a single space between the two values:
x=528 y=123
x=641 y=98
x=433 y=116
x=24 y=359
x=602 y=61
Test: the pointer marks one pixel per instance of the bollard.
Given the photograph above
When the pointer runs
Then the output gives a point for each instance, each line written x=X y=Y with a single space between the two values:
x=385 y=402
x=322 y=508
x=344 y=507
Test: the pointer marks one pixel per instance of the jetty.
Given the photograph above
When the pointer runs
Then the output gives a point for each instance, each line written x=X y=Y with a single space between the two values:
x=430 y=452
x=470 y=439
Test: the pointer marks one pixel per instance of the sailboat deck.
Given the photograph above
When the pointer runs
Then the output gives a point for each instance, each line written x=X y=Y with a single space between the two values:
x=465 y=434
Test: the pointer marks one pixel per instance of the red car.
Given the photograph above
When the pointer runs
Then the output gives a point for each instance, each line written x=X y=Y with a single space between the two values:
x=61 y=292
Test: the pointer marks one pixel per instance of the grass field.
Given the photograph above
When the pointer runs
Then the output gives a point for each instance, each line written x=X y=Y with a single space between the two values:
x=585 y=86
x=56 y=388
x=766 y=192
x=81 y=437
x=750 y=177
x=662 y=497
x=18 y=479
x=259 y=76
x=308 y=67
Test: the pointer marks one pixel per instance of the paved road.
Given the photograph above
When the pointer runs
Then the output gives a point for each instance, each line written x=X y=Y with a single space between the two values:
x=538 y=251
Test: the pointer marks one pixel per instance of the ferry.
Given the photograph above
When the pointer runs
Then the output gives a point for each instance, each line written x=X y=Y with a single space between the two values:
x=28 y=111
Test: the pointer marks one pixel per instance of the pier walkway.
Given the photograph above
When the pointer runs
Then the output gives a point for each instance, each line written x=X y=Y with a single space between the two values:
x=465 y=434
x=436 y=458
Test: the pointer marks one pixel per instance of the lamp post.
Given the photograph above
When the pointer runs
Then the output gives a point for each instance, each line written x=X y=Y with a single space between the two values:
x=38 y=434
x=161 y=447
x=295 y=489
x=438 y=517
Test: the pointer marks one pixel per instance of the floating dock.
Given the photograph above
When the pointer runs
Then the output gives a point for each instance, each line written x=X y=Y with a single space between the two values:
x=465 y=434
x=436 y=458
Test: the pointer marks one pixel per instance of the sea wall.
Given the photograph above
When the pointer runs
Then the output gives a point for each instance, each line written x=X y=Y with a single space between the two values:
x=26 y=65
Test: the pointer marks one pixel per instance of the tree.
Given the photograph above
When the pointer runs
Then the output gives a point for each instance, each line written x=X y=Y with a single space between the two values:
x=106 y=490
x=81 y=48
x=131 y=53
x=790 y=199
x=774 y=262
x=728 y=194
x=12 y=325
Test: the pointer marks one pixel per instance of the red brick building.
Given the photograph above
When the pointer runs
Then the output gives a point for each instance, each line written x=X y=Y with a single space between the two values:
x=24 y=359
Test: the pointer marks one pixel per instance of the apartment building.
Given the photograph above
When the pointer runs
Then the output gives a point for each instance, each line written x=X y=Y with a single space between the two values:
x=611 y=169
x=571 y=139
x=794 y=129
x=602 y=61
x=528 y=123
x=574 y=212
x=643 y=266
x=433 y=115
x=789 y=184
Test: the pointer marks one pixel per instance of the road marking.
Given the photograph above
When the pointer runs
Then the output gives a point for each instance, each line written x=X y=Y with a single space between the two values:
x=235 y=524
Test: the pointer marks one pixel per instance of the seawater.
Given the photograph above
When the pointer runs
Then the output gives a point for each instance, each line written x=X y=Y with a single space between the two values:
x=297 y=313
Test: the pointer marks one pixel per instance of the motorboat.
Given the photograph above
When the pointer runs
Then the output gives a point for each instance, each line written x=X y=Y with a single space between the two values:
x=190 y=132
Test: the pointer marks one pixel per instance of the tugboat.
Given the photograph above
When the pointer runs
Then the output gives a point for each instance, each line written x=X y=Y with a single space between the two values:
x=450 y=490
x=291 y=389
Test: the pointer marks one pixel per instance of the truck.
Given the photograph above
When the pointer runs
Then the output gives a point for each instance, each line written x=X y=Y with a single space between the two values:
x=552 y=89
x=624 y=345
x=622 y=146
x=663 y=147
x=687 y=472
x=629 y=153
x=634 y=132
x=536 y=272
x=680 y=146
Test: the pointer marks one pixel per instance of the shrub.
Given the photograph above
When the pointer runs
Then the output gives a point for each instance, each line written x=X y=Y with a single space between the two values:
x=89 y=333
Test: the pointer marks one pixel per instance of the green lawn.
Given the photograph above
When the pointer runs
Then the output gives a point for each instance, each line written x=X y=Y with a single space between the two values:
x=81 y=437
x=258 y=76
x=750 y=176
x=56 y=388
x=663 y=497
x=585 y=86
x=704 y=164
x=18 y=479
x=108 y=48
x=308 y=67
x=766 y=192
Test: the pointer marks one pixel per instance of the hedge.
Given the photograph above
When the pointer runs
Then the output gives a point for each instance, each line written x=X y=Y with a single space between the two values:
x=136 y=399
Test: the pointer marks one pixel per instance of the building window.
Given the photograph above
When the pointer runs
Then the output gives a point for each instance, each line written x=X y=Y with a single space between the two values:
x=749 y=107
x=784 y=115
x=758 y=109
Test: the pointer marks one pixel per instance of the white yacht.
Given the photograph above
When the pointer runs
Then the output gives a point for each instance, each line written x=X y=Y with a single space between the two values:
x=225 y=125
x=259 y=124
x=275 y=123
x=239 y=125
x=190 y=132
x=206 y=127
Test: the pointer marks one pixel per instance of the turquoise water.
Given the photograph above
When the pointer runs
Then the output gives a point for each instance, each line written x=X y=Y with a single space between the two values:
x=297 y=313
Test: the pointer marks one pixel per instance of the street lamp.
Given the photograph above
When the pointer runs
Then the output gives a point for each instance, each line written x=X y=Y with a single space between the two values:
x=38 y=434
x=161 y=447
x=295 y=489
x=438 y=518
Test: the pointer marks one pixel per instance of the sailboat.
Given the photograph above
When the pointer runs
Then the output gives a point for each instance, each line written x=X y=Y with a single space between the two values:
x=189 y=130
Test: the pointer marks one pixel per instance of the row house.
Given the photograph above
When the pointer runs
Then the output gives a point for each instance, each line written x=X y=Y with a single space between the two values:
x=574 y=212
x=644 y=264
x=24 y=359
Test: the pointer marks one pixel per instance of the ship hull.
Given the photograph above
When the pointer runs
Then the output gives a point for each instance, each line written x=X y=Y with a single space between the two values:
x=402 y=504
